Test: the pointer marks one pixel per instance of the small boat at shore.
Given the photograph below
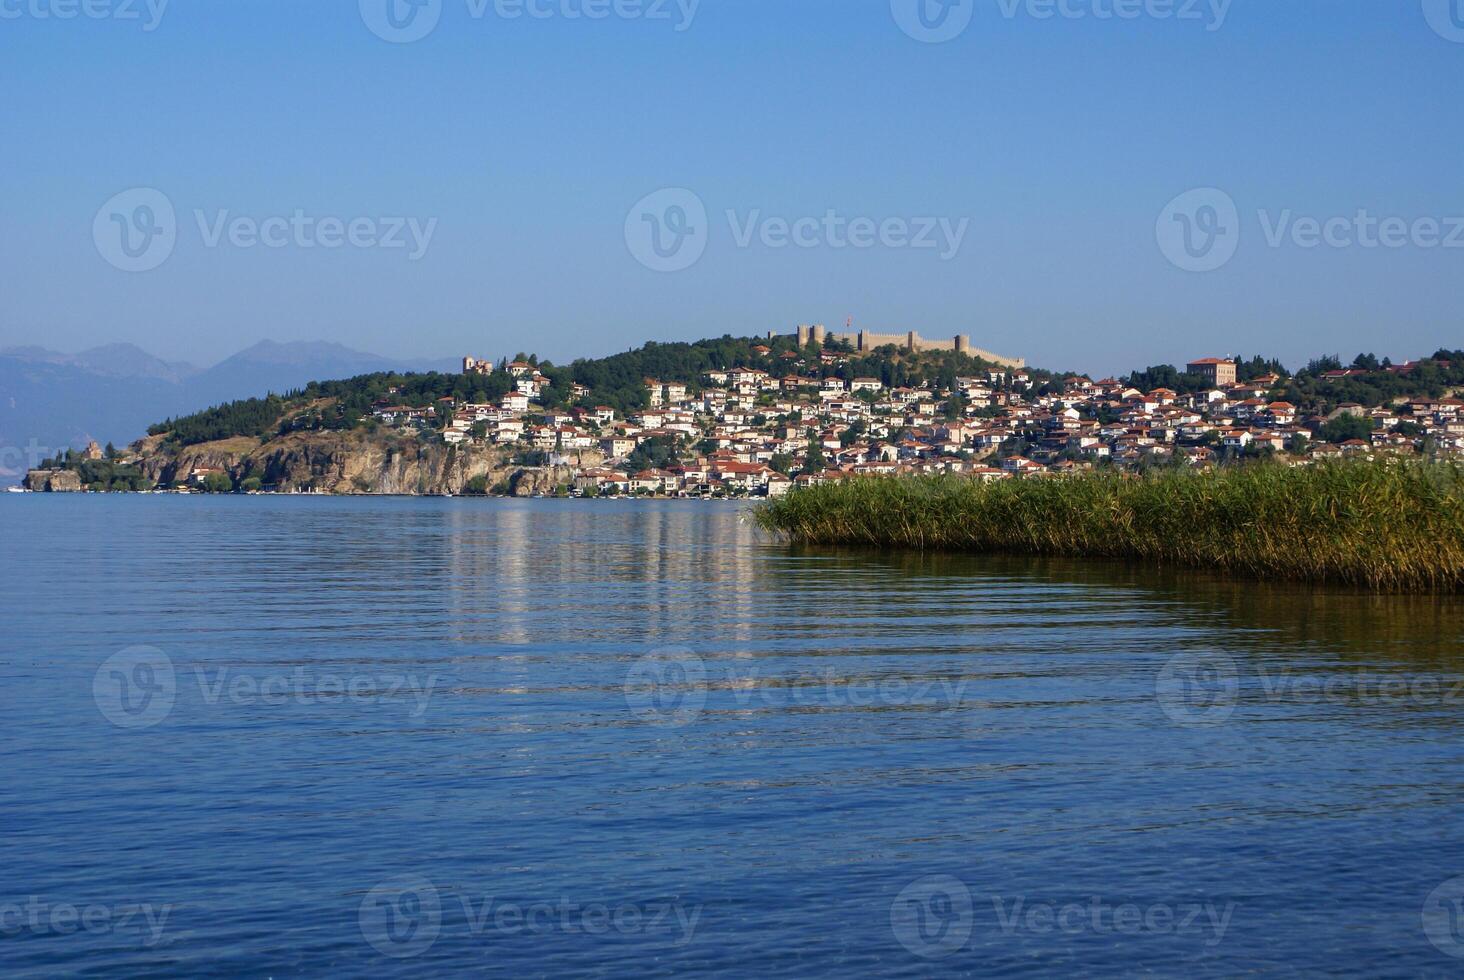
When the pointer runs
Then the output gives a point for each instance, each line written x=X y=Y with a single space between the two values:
x=16 y=490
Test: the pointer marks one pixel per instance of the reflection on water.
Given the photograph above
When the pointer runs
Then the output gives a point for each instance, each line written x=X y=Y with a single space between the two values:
x=390 y=737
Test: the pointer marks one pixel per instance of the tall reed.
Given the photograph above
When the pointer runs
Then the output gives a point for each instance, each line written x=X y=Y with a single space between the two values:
x=1386 y=526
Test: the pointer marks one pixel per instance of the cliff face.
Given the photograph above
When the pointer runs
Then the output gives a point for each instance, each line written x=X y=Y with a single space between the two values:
x=356 y=463
x=529 y=482
x=53 y=481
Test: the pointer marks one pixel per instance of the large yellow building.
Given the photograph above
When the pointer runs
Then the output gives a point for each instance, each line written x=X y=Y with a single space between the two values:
x=1214 y=370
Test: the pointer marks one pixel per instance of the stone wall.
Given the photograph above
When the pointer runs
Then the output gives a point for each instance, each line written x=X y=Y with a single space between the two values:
x=865 y=341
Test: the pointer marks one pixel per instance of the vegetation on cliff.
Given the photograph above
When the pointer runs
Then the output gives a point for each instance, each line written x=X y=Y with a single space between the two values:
x=257 y=417
x=1394 y=527
x=103 y=471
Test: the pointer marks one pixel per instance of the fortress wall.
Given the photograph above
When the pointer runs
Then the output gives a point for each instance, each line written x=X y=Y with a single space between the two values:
x=864 y=340
x=1016 y=363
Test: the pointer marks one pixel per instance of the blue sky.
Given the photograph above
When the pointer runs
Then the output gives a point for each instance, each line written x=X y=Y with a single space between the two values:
x=1057 y=143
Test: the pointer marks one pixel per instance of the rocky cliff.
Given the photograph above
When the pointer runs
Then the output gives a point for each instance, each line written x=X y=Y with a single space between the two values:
x=53 y=481
x=357 y=463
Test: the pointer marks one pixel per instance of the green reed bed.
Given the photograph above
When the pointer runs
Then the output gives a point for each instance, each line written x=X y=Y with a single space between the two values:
x=1387 y=526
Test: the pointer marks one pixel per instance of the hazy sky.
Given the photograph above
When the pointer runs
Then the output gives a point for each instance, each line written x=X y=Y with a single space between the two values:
x=1049 y=146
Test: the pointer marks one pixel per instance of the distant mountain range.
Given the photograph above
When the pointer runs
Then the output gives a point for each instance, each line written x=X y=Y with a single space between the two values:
x=50 y=400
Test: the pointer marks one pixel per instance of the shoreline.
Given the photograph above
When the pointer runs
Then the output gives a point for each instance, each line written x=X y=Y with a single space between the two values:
x=18 y=491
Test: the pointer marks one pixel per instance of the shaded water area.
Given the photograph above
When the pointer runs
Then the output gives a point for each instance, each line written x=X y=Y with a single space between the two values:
x=304 y=737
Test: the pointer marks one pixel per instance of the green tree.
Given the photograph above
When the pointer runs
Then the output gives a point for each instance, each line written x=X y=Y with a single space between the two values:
x=218 y=483
x=815 y=462
x=1345 y=427
x=655 y=453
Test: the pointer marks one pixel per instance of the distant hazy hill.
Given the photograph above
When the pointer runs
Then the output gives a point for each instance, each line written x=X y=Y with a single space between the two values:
x=113 y=393
x=271 y=367
x=110 y=361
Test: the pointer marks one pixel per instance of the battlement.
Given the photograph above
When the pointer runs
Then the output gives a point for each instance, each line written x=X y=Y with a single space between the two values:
x=865 y=341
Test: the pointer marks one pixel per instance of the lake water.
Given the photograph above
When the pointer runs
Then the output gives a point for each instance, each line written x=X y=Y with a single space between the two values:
x=359 y=737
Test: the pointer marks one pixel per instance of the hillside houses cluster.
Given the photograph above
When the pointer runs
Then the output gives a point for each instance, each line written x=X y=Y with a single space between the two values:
x=749 y=431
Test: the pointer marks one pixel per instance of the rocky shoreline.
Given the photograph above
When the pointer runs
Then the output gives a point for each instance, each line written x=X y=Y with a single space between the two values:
x=342 y=463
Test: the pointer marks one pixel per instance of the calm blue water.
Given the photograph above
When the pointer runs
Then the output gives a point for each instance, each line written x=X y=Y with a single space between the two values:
x=321 y=737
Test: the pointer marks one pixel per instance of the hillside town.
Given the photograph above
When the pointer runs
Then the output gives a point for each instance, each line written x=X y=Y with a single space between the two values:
x=761 y=431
